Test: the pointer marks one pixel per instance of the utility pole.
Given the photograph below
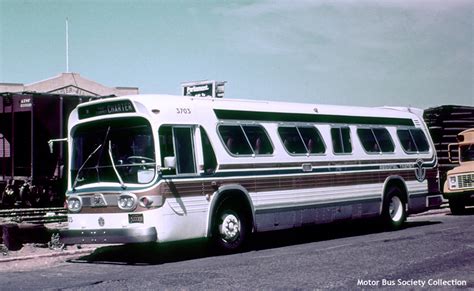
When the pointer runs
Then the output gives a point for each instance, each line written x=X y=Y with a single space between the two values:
x=67 y=45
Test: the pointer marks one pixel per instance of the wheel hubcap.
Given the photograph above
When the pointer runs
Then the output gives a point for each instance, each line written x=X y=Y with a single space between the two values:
x=396 y=208
x=230 y=227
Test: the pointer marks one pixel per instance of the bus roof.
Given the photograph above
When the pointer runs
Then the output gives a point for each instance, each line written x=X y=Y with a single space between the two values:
x=263 y=110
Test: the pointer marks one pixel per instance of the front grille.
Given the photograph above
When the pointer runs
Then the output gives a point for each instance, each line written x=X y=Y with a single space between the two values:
x=466 y=181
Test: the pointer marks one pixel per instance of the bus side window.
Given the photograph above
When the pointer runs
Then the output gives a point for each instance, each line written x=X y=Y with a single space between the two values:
x=341 y=139
x=368 y=141
x=258 y=139
x=413 y=140
x=384 y=140
x=312 y=139
x=210 y=162
x=420 y=140
x=234 y=140
x=292 y=140
x=406 y=141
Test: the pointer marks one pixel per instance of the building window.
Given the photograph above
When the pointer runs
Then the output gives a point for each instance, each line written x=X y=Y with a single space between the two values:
x=4 y=147
x=341 y=140
x=241 y=140
x=413 y=140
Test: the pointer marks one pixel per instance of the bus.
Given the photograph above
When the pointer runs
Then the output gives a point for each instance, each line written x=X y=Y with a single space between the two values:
x=160 y=168
x=459 y=184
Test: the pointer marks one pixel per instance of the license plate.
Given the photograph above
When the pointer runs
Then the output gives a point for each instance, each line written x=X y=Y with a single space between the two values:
x=135 y=218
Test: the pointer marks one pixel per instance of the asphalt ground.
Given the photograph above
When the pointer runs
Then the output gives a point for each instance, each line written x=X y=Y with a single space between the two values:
x=32 y=253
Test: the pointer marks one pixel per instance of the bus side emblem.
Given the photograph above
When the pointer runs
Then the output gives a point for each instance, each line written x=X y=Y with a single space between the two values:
x=420 y=172
x=101 y=221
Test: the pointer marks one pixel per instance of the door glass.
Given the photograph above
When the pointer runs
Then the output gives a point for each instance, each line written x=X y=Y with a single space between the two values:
x=184 y=150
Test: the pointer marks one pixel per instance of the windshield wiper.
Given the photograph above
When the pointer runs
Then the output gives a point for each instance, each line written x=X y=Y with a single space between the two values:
x=115 y=168
x=82 y=166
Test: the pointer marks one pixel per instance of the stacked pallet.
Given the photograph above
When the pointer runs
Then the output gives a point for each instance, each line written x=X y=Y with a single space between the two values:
x=445 y=123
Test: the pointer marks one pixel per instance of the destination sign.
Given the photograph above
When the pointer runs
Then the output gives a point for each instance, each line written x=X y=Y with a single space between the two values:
x=113 y=107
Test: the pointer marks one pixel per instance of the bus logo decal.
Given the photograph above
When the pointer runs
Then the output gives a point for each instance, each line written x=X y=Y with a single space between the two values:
x=420 y=172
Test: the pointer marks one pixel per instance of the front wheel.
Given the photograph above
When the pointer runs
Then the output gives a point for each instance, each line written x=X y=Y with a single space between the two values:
x=456 y=206
x=230 y=228
x=394 y=209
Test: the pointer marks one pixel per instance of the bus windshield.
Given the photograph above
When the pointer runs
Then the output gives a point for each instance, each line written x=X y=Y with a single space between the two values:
x=113 y=150
x=467 y=153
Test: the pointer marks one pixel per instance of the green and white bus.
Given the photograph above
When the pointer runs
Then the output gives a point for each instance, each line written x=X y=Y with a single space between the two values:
x=159 y=168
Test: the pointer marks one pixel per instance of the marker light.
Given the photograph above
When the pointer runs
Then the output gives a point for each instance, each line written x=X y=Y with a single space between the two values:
x=151 y=201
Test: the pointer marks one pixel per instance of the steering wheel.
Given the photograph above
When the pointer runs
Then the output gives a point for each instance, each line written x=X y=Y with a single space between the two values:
x=140 y=158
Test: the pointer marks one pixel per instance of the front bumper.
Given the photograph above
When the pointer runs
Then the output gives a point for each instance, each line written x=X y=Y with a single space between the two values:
x=468 y=194
x=106 y=236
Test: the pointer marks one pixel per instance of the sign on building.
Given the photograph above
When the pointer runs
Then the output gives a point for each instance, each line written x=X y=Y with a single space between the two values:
x=208 y=88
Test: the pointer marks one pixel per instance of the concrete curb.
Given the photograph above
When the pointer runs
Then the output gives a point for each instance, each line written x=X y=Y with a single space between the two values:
x=444 y=209
x=48 y=255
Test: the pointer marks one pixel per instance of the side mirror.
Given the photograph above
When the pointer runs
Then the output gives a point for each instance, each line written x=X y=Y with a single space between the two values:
x=170 y=163
x=52 y=141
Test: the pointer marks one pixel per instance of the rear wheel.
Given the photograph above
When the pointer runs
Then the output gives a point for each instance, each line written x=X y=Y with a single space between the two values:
x=456 y=206
x=394 y=209
x=230 y=227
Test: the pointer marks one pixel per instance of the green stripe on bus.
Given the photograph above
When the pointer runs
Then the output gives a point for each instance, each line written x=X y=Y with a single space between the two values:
x=304 y=117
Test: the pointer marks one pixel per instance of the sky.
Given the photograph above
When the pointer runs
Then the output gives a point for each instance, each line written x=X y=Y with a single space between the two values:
x=416 y=53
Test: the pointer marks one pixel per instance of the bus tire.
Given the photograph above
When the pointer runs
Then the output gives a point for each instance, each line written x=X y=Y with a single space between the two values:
x=394 y=209
x=230 y=227
x=456 y=206
x=11 y=237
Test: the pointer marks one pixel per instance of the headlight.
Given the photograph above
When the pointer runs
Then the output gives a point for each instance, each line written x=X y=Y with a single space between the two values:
x=74 y=204
x=452 y=181
x=127 y=201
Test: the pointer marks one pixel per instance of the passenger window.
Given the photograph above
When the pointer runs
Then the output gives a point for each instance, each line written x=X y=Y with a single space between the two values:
x=420 y=140
x=301 y=140
x=292 y=140
x=375 y=140
x=384 y=140
x=210 y=162
x=413 y=140
x=258 y=139
x=234 y=140
x=312 y=140
x=245 y=139
x=368 y=140
x=341 y=140
x=406 y=140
